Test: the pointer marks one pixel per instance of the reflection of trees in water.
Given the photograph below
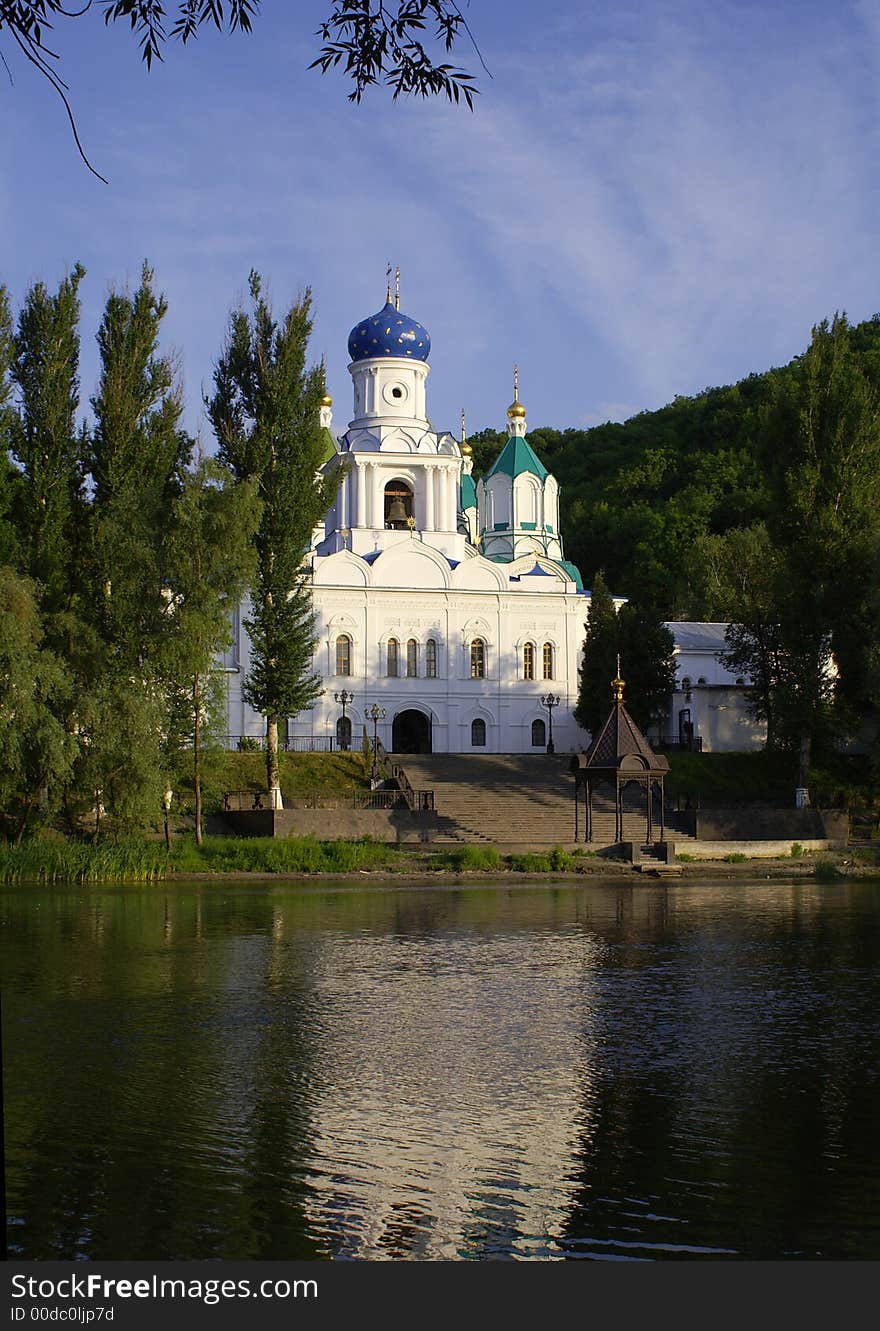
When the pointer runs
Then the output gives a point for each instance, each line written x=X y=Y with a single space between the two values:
x=210 y=1072
x=153 y=1082
x=734 y=1108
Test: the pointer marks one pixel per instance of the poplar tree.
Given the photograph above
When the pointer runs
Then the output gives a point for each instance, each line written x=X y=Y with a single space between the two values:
x=645 y=647
x=265 y=414
x=136 y=455
x=9 y=475
x=599 y=662
x=212 y=560
x=45 y=442
x=36 y=752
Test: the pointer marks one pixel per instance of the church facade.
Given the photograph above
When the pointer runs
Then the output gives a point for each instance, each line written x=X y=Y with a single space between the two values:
x=446 y=603
x=448 y=619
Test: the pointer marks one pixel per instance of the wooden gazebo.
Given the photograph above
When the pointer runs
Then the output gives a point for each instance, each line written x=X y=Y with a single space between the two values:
x=618 y=755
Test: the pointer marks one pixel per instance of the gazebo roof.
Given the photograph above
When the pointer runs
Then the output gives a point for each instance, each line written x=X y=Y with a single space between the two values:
x=619 y=746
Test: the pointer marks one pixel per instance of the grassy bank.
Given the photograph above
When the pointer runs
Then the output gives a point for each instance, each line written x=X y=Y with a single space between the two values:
x=50 y=861
x=47 y=861
x=302 y=775
x=719 y=779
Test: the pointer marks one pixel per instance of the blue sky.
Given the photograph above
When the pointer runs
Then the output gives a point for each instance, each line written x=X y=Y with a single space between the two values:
x=644 y=202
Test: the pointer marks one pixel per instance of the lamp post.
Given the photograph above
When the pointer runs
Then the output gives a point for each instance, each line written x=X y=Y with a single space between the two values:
x=376 y=714
x=344 y=698
x=166 y=807
x=550 y=702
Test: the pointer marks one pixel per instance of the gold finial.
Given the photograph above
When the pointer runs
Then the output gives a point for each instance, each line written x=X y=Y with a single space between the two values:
x=397 y=288
x=388 y=283
x=617 y=685
x=516 y=408
x=326 y=400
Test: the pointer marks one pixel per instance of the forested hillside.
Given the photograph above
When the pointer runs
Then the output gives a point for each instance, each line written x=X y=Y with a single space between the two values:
x=637 y=496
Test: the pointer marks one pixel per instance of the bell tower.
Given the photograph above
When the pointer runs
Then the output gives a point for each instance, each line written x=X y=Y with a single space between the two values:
x=402 y=479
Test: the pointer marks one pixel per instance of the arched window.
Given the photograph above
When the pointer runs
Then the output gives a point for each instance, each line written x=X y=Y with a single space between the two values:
x=529 y=660
x=548 y=660
x=431 y=658
x=539 y=734
x=343 y=654
x=393 y=657
x=343 y=732
x=478 y=659
x=478 y=733
x=412 y=658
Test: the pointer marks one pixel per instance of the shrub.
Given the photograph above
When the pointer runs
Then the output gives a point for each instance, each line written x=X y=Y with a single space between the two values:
x=471 y=857
x=797 y=851
x=529 y=863
x=735 y=857
x=268 y=855
x=827 y=871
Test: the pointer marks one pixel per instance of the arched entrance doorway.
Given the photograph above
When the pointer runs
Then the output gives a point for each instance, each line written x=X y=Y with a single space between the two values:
x=411 y=732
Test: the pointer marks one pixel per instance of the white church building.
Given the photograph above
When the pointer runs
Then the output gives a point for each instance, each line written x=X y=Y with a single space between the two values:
x=445 y=603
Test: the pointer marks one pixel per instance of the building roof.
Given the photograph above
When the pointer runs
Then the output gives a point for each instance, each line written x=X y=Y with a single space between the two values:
x=388 y=333
x=468 y=492
x=696 y=636
x=621 y=745
x=518 y=456
x=328 y=445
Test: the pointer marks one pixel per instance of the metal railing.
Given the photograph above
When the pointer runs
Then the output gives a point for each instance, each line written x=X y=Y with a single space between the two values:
x=293 y=744
x=676 y=744
x=247 y=801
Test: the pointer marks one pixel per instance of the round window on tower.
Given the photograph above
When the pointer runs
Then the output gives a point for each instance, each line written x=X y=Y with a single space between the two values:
x=395 y=394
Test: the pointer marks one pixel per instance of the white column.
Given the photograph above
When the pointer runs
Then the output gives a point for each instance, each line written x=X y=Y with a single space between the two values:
x=450 y=499
x=378 y=518
x=443 y=522
x=429 y=498
x=361 y=497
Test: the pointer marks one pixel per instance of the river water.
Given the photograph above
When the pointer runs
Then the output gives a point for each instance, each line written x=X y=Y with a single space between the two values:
x=601 y=1071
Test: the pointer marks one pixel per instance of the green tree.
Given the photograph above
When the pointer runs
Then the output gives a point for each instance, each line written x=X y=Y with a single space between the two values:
x=137 y=455
x=646 y=647
x=265 y=414
x=741 y=576
x=9 y=475
x=36 y=752
x=212 y=561
x=599 y=661
x=821 y=445
x=643 y=645
x=136 y=458
x=45 y=442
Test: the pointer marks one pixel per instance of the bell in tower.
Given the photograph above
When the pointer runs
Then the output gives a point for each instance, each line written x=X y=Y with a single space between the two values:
x=398 y=505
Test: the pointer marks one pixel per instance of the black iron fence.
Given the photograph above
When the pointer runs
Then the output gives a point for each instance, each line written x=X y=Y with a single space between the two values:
x=293 y=744
x=676 y=744
x=246 y=801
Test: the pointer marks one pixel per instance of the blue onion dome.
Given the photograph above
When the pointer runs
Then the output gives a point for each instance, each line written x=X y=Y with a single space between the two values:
x=388 y=333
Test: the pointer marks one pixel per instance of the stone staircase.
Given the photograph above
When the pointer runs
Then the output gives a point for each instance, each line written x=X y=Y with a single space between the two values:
x=497 y=799
x=513 y=800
